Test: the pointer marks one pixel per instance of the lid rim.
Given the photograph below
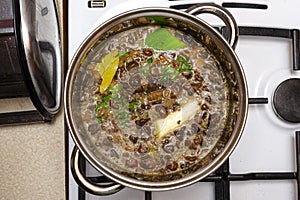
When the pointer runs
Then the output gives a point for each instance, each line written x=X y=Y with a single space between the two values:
x=37 y=84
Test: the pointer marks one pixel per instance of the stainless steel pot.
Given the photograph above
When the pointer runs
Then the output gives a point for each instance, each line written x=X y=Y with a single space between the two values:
x=231 y=66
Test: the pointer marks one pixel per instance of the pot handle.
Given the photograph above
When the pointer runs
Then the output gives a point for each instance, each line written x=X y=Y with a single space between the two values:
x=87 y=185
x=223 y=14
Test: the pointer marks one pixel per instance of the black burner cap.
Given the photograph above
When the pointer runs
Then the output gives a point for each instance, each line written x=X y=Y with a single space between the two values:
x=286 y=100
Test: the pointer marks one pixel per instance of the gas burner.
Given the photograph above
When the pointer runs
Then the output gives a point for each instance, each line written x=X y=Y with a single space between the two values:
x=269 y=56
x=286 y=100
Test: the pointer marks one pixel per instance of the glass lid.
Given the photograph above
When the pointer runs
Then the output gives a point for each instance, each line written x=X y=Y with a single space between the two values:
x=37 y=32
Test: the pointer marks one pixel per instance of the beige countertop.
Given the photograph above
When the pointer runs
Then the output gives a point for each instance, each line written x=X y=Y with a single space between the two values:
x=32 y=157
x=33 y=161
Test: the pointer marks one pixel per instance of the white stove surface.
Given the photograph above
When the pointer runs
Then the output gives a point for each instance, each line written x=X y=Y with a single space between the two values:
x=267 y=143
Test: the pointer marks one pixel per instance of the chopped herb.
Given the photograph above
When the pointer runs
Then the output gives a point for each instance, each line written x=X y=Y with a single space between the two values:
x=164 y=79
x=123 y=119
x=123 y=116
x=184 y=65
x=100 y=120
x=106 y=98
x=104 y=103
x=169 y=72
x=134 y=105
x=150 y=60
x=101 y=105
x=145 y=70
x=146 y=67
x=114 y=90
x=124 y=54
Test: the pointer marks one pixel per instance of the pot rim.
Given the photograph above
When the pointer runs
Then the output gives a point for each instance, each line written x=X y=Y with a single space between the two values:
x=147 y=185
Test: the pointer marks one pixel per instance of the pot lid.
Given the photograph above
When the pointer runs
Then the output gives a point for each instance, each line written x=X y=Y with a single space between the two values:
x=38 y=37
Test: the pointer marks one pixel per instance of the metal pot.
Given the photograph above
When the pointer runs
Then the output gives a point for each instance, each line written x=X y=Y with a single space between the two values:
x=214 y=42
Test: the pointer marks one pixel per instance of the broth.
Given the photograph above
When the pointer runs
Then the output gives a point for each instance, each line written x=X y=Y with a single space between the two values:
x=151 y=112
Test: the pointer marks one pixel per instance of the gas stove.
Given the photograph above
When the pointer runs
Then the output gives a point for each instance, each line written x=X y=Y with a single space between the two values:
x=265 y=163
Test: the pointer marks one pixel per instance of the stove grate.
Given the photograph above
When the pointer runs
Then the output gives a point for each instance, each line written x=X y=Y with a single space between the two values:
x=222 y=177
